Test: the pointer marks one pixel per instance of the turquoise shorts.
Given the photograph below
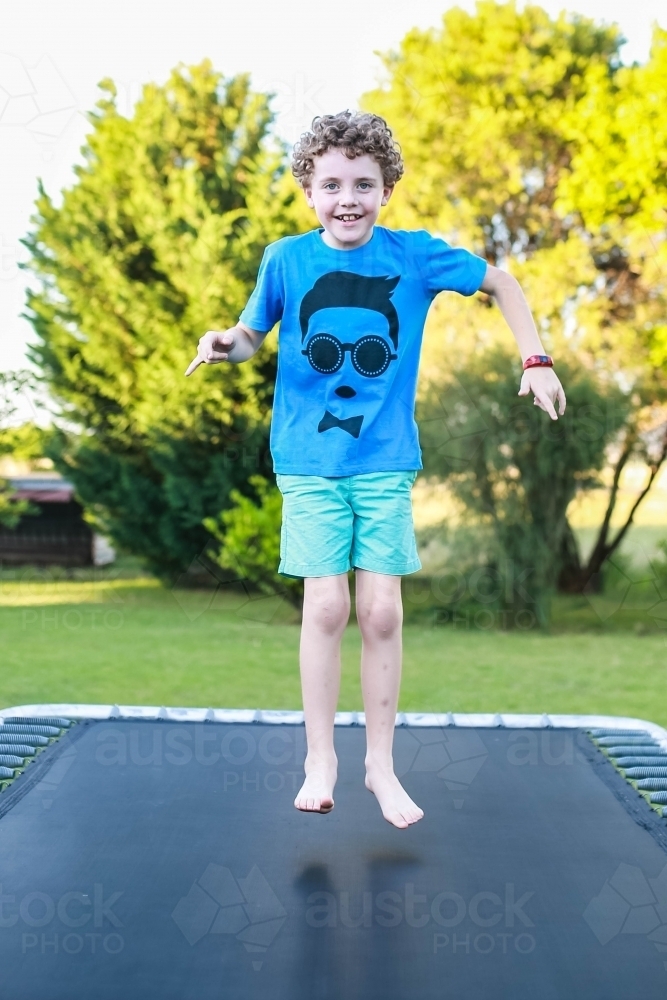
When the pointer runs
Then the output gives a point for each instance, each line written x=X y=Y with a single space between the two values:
x=332 y=525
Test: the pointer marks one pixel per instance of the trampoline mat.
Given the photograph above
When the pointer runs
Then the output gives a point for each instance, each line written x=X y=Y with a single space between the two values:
x=166 y=860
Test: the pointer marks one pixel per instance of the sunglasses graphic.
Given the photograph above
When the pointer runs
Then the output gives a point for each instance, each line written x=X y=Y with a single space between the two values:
x=370 y=355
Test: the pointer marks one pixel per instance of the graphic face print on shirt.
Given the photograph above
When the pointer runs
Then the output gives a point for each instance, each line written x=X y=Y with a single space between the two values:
x=349 y=332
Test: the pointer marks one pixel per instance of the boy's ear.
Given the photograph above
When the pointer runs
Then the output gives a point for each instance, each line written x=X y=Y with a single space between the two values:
x=386 y=194
x=308 y=192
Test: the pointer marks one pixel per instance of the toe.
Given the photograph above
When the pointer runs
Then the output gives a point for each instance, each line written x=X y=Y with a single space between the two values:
x=397 y=819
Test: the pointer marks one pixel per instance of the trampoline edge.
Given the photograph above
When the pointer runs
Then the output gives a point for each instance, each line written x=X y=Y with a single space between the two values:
x=490 y=720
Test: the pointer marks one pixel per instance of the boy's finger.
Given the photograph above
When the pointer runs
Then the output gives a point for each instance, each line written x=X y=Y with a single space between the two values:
x=561 y=400
x=545 y=403
x=194 y=365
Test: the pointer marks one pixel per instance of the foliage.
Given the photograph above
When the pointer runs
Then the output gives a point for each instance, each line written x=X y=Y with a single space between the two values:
x=660 y=567
x=157 y=241
x=26 y=442
x=526 y=140
x=513 y=468
x=20 y=441
x=477 y=107
x=12 y=509
x=249 y=533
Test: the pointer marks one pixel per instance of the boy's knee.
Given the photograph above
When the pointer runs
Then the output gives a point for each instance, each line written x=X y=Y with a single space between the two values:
x=379 y=619
x=327 y=607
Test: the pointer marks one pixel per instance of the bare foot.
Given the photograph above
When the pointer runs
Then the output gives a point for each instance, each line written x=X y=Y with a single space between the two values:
x=396 y=805
x=316 y=793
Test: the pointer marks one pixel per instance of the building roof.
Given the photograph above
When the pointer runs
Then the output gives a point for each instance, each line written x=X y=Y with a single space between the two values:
x=42 y=489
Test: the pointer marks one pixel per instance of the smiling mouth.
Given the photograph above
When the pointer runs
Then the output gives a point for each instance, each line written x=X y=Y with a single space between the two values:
x=348 y=218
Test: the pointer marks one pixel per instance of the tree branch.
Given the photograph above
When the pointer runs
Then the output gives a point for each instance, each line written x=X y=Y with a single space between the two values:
x=602 y=548
x=598 y=553
x=655 y=468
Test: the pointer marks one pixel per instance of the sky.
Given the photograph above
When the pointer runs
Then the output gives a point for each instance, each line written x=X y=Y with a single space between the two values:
x=316 y=58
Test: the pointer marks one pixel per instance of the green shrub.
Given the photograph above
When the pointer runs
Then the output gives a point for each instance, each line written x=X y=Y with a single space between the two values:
x=514 y=470
x=249 y=533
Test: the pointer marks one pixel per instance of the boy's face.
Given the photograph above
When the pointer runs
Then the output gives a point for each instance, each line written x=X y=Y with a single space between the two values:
x=347 y=196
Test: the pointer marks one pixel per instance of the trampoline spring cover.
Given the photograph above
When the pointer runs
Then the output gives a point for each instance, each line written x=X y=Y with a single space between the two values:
x=25 y=738
x=636 y=750
x=18 y=748
x=10 y=727
x=625 y=762
x=613 y=741
x=39 y=721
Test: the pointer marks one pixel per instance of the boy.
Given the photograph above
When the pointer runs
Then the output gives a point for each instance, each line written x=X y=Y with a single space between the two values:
x=352 y=298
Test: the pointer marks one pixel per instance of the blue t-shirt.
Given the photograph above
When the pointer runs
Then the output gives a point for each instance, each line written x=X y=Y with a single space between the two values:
x=351 y=326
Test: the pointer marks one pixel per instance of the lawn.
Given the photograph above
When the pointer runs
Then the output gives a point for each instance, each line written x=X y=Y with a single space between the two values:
x=131 y=641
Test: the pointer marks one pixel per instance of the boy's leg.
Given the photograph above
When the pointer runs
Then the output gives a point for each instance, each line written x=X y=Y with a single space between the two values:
x=380 y=617
x=326 y=609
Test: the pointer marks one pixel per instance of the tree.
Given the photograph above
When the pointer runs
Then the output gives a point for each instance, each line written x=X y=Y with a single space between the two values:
x=517 y=131
x=158 y=240
x=513 y=468
x=478 y=109
x=617 y=188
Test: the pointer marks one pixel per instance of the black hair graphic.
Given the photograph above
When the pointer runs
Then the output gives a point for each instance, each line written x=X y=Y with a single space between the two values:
x=343 y=288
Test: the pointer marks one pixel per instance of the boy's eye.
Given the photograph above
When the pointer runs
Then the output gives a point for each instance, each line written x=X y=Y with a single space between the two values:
x=364 y=184
x=330 y=185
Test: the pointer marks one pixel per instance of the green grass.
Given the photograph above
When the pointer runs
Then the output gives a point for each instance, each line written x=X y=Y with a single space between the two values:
x=131 y=641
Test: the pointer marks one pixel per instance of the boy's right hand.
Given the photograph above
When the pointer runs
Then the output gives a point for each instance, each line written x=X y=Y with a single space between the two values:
x=214 y=347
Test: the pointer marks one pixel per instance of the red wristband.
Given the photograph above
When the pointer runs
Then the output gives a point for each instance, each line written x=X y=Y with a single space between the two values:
x=538 y=361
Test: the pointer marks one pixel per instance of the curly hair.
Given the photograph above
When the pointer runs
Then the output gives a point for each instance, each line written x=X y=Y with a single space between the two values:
x=355 y=134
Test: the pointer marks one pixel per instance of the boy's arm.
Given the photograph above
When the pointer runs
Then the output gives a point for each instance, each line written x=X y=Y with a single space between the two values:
x=234 y=345
x=542 y=382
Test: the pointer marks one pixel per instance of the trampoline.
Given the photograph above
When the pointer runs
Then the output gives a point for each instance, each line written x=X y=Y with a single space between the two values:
x=150 y=854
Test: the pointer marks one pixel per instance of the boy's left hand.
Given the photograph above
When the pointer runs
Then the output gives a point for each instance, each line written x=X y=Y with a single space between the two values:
x=545 y=386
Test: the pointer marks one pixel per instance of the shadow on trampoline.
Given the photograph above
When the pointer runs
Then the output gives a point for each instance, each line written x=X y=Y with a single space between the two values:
x=160 y=858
